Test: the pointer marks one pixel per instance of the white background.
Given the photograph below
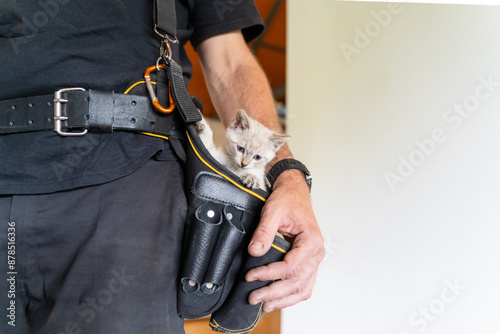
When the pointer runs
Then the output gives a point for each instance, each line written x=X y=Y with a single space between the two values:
x=463 y=2
x=393 y=253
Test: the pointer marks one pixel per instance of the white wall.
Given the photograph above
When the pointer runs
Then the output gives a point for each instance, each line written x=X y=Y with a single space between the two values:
x=421 y=255
x=462 y=2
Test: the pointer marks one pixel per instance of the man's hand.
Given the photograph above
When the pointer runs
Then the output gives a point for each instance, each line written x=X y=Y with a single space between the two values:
x=289 y=211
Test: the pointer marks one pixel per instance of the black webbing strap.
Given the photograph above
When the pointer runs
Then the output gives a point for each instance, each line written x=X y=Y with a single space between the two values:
x=183 y=101
x=164 y=17
x=166 y=22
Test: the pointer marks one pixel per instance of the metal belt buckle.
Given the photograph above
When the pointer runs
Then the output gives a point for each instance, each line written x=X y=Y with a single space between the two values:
x=58 y=118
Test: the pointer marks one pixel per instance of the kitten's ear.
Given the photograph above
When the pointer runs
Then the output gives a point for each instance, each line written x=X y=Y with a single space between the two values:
x=240 y=121
x=278 y=139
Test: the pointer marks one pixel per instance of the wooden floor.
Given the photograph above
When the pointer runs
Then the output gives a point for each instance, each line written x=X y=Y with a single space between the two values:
x=269 y=324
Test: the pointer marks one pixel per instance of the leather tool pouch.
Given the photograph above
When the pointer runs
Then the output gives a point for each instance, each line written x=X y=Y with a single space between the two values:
x=222 y=216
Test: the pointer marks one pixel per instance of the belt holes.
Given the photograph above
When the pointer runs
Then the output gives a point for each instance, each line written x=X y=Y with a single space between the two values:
x=11 y=123
x=152 y=123
x=132 y=120
x=49 y=103
x=87 y=117
x=133 y=103
x=30 y=105
x=49 y=119
x=30 y=121
x=13 y=107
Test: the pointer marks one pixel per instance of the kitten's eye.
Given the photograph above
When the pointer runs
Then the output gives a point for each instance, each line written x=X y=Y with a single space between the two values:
x=257 y=157
x=241 y=149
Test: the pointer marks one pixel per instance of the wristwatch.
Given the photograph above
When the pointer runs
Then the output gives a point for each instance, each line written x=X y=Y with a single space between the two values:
x=284 y=165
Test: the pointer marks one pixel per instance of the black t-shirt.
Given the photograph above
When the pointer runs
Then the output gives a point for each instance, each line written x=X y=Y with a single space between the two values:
x=52 y=44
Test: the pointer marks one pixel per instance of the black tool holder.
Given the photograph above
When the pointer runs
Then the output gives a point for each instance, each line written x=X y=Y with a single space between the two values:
x=222 y=216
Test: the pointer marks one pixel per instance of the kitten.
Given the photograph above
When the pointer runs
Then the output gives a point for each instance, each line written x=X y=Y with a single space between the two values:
x=250 y=146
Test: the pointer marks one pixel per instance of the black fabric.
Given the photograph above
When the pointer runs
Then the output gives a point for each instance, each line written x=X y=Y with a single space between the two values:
x=89 y=262
x=81 y=161
x=52 y=44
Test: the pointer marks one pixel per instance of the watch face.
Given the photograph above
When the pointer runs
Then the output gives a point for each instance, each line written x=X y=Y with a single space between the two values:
x=309 y=179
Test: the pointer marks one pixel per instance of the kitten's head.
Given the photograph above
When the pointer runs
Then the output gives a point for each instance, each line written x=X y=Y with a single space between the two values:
x=250 y=144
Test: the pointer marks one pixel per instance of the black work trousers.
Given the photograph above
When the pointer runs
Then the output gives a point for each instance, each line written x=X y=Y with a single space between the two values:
x=98 y=259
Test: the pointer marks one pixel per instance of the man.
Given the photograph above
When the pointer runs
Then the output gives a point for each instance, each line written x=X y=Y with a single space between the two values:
x=96 y=221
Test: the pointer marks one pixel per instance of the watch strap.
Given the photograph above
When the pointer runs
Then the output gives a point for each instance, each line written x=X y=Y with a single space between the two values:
x=284 y=165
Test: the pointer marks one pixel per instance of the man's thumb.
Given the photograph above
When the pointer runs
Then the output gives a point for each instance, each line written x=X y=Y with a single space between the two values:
x=261 y=240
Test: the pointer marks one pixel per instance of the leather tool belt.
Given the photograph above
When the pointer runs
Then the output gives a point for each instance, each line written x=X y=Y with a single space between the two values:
x=75 y=111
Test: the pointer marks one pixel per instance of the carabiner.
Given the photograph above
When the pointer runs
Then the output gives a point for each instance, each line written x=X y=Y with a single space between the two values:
x=152 y=93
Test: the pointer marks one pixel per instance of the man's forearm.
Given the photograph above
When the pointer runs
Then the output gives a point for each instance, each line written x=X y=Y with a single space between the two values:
x=235 y=81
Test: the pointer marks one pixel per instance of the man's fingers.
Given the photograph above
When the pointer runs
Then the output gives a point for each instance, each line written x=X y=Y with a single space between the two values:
x=302 y=260
x=278 y=290
x=293 y=277
x=283 y=293
x=279 y=304
x=271 y=272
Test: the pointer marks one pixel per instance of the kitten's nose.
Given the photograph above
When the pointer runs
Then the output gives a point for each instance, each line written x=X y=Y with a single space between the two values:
x=244 y=162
